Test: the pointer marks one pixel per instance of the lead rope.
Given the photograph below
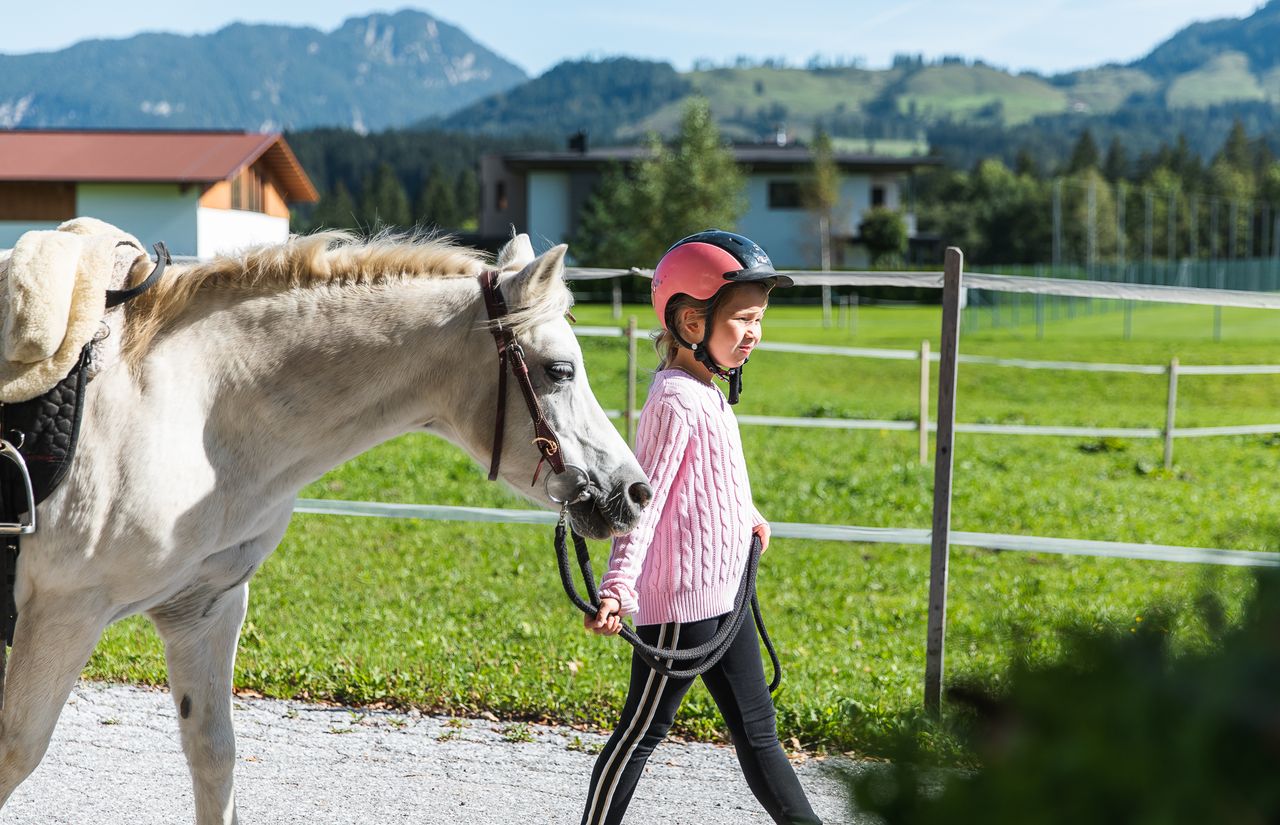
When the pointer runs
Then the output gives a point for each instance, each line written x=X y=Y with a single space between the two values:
x=711 y=651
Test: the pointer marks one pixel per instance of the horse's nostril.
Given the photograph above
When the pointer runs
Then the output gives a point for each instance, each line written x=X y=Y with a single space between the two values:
x=640 y=493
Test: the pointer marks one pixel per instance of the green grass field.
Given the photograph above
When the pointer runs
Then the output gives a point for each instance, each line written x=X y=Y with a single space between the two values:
x=466 y=617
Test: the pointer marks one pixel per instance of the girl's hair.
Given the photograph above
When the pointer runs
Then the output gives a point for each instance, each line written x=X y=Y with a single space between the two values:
x=665 y=342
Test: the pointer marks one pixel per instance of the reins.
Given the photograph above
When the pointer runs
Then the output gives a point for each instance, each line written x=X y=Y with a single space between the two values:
x=575 y=488
x=662 y=660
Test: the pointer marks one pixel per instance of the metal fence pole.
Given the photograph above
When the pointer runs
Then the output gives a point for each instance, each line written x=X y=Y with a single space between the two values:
x=617 y=300
x=631 y=378
x=924 y=401
x=943 y=455
x=1171 y=410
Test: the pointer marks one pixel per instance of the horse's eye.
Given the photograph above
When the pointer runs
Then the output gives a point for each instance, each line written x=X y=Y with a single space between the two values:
x=560 y=371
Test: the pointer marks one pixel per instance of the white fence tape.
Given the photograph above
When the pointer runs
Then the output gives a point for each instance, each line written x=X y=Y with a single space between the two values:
x=826 y=532
x=1007 y=283
x=997 y=429
x=1021 y=363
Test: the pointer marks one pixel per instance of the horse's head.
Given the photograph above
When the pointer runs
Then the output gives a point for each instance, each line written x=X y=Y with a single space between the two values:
x=538 y=300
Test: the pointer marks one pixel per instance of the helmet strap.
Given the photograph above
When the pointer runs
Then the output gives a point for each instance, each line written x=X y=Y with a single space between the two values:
x=703 y=354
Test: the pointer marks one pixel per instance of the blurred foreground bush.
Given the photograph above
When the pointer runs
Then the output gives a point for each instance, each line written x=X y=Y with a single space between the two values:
x=1120 y=730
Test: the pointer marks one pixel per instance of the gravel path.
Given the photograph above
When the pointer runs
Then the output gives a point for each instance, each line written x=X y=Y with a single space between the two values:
x=115 y=758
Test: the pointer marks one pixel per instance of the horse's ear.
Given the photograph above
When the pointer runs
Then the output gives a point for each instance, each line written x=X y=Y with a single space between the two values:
x=517 y=253
x=544 y=273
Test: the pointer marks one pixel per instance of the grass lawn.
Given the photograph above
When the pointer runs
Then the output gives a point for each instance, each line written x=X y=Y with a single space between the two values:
x=468 y=617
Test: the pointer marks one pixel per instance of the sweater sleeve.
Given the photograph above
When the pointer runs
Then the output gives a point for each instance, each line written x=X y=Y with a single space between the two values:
x=756 y=518
x=663 y=438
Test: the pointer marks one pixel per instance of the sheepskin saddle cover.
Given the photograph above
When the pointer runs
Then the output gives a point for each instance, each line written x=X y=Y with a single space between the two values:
x=53 y=294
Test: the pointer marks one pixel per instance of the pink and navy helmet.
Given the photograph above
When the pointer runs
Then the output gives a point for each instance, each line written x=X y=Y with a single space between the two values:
x=701 y=264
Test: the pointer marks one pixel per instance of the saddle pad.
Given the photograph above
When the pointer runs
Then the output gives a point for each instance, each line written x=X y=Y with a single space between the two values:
x=46 y=428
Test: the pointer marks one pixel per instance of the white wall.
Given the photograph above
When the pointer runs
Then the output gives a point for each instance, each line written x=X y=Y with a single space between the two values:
x=226 y=230
x=149 y=211
x=789 y=236
x=10 y=231
x=549 y=217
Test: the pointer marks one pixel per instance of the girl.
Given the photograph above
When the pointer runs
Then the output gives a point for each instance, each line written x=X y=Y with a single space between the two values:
x=677 y=572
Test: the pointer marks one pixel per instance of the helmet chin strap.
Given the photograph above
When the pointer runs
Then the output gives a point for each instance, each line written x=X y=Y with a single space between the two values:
x=702 y=353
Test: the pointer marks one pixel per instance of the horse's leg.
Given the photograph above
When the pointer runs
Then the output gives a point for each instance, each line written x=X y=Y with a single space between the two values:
x=200 y=628
x=200 y=648
x=51 y=644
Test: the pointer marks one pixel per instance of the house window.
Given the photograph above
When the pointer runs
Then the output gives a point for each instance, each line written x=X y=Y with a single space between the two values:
x=877 y=196
x=784 y=194
x=500 y=196
x=247 y=191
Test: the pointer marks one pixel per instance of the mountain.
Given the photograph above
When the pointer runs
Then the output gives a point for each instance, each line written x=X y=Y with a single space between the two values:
x=371 y=73
x=1207 y=68
x=592 y=96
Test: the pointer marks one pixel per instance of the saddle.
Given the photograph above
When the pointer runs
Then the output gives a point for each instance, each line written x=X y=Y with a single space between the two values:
x=55 y=300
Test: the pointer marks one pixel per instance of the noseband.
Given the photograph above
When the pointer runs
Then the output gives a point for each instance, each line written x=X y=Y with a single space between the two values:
x=544 y=438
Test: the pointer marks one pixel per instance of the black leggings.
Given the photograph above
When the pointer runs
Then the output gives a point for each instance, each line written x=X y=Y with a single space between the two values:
x=738 y=687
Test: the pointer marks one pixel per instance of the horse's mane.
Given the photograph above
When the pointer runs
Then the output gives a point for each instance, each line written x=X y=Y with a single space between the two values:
x=332 y=258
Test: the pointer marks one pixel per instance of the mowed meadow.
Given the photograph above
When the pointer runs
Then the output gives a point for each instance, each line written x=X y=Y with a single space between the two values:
x=469 y=618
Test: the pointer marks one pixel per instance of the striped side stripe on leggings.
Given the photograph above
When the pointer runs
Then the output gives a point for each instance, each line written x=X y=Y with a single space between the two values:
x=646 y=707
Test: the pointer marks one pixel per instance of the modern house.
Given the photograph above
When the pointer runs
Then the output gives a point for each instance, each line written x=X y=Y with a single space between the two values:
x=543 y=193
x=199 y=192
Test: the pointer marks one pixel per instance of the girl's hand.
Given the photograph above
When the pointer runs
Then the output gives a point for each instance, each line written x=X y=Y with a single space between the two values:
x=607 y=621
x=762 y=530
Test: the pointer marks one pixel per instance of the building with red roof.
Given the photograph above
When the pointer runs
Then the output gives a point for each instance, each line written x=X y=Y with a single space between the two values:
x=199 y=192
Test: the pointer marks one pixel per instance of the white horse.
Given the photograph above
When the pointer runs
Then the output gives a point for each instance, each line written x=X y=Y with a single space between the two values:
x=242 y=380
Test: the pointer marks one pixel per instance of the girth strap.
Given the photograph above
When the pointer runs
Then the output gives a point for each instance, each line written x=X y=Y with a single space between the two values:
x=544 y=437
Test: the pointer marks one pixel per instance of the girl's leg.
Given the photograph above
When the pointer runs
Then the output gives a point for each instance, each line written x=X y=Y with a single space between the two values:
x=738 y=686
x=652 y=702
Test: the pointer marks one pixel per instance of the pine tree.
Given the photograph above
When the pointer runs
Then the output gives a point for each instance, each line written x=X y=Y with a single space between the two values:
x=384 y=202
x=1116 y=165
x=1084 y=155
x=467 y=191
x=437 y=207
x=335 y=210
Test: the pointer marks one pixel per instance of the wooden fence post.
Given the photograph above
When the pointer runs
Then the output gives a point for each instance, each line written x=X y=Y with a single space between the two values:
x=943 y=455
x=1171 y=411
x=631 y=379
x=924 y=401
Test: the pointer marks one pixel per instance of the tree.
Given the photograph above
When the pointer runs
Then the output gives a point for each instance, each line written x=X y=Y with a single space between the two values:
x=822 y=192
x=637 y=213
x=384 y=202
x=437 y=204
x=335 y=210
x=1084 y=155
x=885 y=234
x=467 y=189
x=1116 y=165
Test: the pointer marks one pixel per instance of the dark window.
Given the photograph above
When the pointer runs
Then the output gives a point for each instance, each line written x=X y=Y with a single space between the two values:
x=877 y=196
x=784 y=194
x=500 y=196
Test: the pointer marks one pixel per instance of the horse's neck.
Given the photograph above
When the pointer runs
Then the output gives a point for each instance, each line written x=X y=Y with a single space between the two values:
x=295 y=383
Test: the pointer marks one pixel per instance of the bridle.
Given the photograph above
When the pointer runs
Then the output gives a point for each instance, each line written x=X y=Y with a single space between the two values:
x=544 y=438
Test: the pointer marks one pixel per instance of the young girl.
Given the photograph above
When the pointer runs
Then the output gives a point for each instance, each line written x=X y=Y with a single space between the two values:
x=678 y=570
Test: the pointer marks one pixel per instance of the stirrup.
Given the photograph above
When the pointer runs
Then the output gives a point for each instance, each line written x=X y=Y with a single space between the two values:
x=20 y=528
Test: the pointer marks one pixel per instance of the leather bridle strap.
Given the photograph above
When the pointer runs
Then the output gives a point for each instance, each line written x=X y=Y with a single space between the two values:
x=509 y=350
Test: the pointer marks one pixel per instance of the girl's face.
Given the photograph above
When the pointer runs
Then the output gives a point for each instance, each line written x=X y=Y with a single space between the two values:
x=736 y=329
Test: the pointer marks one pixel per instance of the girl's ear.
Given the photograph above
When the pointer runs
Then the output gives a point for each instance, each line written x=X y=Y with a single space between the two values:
x=691 y=325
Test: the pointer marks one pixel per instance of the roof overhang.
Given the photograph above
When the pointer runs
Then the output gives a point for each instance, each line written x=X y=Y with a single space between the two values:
x=150 y=157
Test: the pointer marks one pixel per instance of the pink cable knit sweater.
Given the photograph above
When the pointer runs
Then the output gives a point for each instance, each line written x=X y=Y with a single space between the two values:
x=684 y=559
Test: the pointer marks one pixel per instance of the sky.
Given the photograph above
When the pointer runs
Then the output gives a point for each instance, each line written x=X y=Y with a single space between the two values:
x=1048 y=36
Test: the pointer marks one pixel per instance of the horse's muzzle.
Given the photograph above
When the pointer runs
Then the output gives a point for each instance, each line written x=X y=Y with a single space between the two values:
x=600 y=515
